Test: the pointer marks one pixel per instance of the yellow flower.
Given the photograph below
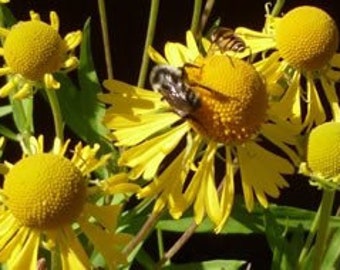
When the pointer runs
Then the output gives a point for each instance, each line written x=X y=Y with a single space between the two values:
x=33 y=51
x=323 y=155
x=192 y=160
x=4 y=1
x=304 y=42
x=46 y=202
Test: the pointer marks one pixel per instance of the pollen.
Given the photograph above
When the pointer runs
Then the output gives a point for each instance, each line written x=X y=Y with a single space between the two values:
x=233 y=98
x=307 y=38
x=34 y=48
x=323 y=152
x=44 y=191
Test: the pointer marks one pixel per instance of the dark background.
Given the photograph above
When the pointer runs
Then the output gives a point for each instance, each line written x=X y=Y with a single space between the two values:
x=127 y=22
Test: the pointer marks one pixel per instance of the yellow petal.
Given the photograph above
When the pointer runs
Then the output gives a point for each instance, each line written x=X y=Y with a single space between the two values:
x=108 y=244
x=146 y=157
x=228 y=191
x=130 y=133
x=176 y=54
x=72 y=253
x=156 y=57
x=257 y=177
x=27 y=255
x=106 y=214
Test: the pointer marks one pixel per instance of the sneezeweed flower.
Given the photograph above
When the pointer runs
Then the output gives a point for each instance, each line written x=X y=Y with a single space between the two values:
x=179 y=155
x=48 y=199
x=323 y=155
x=300 y=46
x=33 y=50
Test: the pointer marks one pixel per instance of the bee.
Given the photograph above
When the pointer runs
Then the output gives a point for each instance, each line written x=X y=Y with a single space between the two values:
x=225 y=39
x=168 y=81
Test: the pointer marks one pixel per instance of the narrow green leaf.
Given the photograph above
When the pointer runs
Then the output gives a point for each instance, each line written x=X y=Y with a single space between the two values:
x=332 y=255
x=5 y=131
x=81 y=110
x=5 y=110
x=208 y=265
x=23 y=115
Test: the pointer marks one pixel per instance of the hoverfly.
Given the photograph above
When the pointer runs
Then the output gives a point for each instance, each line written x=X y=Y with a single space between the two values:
x=225 y=39
x=169 y=82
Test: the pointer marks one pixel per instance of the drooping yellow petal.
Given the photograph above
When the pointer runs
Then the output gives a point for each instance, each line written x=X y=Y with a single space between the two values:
x=27 y=256
x=106 y=214
x=227 y=192
x=133 y=132
x=146 y=157
x=72 y=253
x=315 y=111
x=106 y=243
x=130 y=100
x=9 y=235
x=118 y=183
x=257 y=176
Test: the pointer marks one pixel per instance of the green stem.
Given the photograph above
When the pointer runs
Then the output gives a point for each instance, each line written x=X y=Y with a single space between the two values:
x=309 y=241
x=195 y=20
x=105 y=36
x=321 y=238
x=160 y=243
x=277 y=7
x=57 y=117
x=319 y=226
x=148 y=42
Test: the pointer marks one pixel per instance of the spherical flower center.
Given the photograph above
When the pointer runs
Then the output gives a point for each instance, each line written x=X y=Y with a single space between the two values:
x=307 y=38
x=233 y=98
x=45 y=191
x=323 y=151
x=33 y=48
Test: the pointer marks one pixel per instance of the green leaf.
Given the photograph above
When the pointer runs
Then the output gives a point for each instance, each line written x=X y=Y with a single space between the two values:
x=81 y=109
x=5 y=131
x=5 y=110
x=332 y=255
x=208 y=265
x=23 y=115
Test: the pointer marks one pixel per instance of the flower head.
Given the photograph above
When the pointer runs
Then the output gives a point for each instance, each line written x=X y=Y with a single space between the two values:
x=307 y=38
x=45 y=196
x=33 y=50
x=323 y=151
x=300 y=45
x=178 y=155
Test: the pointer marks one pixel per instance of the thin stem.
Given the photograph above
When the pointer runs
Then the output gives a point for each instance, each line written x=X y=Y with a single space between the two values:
x=148 y=42
x=105 y=36
x=321 y=238
x=195 y=20
x=142 y=234
x=277 y=7
x=160 y=243
x=56 y=112
x=310 y=238
x=205 y=16
x=178 y=245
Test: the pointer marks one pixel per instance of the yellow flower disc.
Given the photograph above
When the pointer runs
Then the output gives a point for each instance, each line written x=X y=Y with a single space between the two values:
x=34 y=48
x=45 y=191
x=323 y=152
x=307 y=38
x=233 y=98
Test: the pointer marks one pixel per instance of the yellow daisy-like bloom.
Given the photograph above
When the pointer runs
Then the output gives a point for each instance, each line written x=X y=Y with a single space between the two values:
x=46 y=203
x=4 y=1
x=323 y=155
x=180 y=155
x=304 y=41
x=33 y=51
